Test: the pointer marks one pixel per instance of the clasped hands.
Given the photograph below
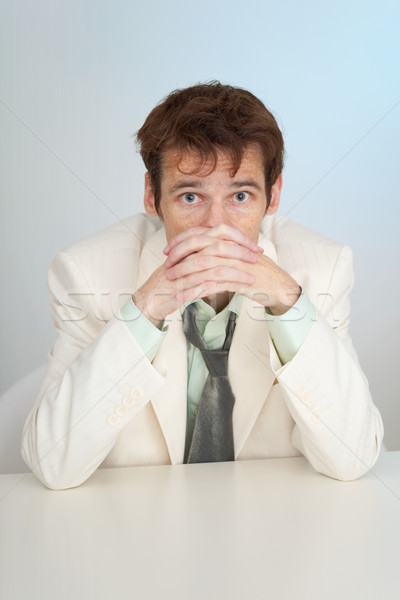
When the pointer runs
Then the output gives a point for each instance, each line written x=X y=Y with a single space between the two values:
x=202 y=262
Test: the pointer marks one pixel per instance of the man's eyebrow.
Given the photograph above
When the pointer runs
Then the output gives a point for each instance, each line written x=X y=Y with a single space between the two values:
x=242 y=183
x=198 y=183
x=186 y=183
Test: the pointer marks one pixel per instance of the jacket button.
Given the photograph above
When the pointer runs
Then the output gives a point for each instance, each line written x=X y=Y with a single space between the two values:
x=136 y=392
x=112 y=420
x=128 y=401
x=120 y=410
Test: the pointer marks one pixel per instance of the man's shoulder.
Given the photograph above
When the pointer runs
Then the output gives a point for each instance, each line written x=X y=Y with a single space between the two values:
x=101 y=270
x=284 y=232
x=303 y=252
x=130 y=234
x=310 y=258
x=110 y=257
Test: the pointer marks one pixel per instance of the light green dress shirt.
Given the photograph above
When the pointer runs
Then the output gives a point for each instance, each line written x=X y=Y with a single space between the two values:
x=287 y=331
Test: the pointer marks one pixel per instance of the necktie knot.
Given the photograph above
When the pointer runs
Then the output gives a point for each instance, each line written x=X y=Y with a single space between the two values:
x=216 y=362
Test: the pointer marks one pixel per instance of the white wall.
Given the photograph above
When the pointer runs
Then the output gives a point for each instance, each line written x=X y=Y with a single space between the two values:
x=77 y=79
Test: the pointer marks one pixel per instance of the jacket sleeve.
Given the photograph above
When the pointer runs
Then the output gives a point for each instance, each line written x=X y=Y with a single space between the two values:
x=337 y=426
x=97 y=379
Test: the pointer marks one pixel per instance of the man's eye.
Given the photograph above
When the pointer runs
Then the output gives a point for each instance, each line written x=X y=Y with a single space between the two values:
x=241 y=196
x=189 y=198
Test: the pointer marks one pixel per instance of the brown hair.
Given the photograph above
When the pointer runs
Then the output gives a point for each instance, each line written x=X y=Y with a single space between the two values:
x=206 y=118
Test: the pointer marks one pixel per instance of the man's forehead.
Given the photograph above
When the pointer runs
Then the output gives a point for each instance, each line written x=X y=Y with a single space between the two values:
x=191 y=162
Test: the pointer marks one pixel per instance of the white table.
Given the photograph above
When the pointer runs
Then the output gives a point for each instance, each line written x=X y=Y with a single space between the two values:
x=262 y=529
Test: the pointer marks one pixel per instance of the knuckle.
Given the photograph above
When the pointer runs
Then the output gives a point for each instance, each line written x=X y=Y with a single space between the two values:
x=220 y=247
x=202 y=260
x=178 y=271
x=175 y=253
x=188 y=281
x=222 y=228
x=195 y=241
x=209 y=286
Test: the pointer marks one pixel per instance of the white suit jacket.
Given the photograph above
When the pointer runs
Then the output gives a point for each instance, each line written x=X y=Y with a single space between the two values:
x=102 y=403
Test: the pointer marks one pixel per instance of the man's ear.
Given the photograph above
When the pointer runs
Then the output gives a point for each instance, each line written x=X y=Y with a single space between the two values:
x=149 y=204
x=275 y=196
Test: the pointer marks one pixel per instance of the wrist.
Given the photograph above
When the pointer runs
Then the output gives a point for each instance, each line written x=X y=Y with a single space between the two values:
x=144 y=306
x=285 y=301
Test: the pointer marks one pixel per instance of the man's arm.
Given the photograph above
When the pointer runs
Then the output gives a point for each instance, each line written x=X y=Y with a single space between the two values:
x=337 y=426
x=95 y=383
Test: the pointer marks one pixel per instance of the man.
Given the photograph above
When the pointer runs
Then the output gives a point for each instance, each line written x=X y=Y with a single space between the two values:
x=138 y=307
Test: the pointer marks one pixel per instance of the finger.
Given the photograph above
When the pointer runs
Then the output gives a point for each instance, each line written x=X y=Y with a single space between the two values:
x=182 y=236
x=190 y=245
x=222 y=231
x=221 y=274
x=209 y=288
x=204 y=262
x=206 y=245
x=226 y=232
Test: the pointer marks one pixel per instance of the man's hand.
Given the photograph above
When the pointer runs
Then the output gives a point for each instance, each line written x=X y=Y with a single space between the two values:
x=221 y=251
x=203 y=262
x=162 y=293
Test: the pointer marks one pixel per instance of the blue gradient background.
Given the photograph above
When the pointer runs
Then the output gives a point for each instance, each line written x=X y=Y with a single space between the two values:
x=77 y=80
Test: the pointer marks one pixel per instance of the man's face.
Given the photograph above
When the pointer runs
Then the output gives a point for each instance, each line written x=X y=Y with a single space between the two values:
x=192 y=198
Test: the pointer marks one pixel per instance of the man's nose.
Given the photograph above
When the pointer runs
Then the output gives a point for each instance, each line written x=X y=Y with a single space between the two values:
x=215 y=215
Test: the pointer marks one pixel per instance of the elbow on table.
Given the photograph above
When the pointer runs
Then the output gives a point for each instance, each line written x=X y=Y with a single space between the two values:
x=52 y=474
x=350 y=466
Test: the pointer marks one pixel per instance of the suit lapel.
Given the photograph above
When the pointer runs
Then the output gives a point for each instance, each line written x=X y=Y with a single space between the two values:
x=170 y=404
x=152 y=256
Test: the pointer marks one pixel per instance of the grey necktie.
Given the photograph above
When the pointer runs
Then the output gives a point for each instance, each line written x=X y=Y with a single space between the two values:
x=212 y=439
